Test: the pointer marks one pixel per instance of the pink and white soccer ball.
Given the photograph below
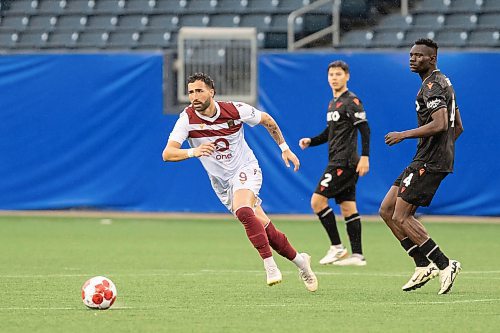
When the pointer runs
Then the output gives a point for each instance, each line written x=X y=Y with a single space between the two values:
x=98 y=292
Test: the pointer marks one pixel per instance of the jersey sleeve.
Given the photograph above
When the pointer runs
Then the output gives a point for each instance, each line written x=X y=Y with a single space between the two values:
x=248 y=114
x=356 y=112
x=180 y=132
x=434 y=97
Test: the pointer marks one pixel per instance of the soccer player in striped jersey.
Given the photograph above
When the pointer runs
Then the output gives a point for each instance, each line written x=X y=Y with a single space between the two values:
x=439 y=126
x=215 y=134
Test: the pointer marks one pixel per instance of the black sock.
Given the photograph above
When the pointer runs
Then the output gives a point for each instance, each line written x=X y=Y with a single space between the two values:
x=353 y=226
x=327 y=219
x=432 y=251
x=414 y=251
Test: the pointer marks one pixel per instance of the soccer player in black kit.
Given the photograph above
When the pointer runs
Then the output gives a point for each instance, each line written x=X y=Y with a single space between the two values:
x=439 y=125
x=345 y=117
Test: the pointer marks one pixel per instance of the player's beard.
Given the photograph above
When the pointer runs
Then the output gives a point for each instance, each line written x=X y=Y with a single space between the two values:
x=203 y=106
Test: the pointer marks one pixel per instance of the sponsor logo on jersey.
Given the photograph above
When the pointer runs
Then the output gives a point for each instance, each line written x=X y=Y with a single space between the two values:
x=222 y=145
x=433 y=103
x=429 y=85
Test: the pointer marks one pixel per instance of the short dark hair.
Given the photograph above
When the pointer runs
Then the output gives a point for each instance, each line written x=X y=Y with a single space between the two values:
x=202 y=77
x=427 y=42
x=339 y=64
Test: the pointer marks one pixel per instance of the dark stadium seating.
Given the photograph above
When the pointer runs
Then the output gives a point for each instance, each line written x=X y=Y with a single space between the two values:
x=77 y=23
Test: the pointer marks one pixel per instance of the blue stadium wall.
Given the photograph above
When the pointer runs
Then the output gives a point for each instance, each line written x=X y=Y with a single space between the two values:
x=87 y=131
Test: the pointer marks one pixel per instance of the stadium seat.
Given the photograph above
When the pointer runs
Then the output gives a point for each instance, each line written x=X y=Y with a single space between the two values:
x=232 y=6
x=123 y=39
x=453 y=39
x=461 y=21
x=54 y=7
x=466 y=6
x=140 y=6
x=114 y=7
x=262 y=6
x=92 y=39
x=23 y=7
x=134 y=22
x=225 y=20
x=429 y=21
x=62 y=39
x=279 y=23
x=8 y=39
x=395 y=22
x=288 y=6
x=102 y=22
x=167 y=22
x=355 y=9
x=260 y=21
x=433 y=6
x=32 y=40
x=387 y=38
x=490 y=20
x=171 y=7
x=15 y=22
x=71 y=22
x=194 y=20
x=155 y=39
x=275 y=40
x=79 y=7
x=202 y=6
x=45 y=22
x=484 y=39
x=357 y=39
x=491 y=6
x=412 y=35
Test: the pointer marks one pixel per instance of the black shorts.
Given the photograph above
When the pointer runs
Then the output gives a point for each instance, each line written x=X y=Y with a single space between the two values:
x=339 y=183
x=417 y=186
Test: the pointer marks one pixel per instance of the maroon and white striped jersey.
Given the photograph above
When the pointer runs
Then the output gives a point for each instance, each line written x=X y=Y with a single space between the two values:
x=225 y=129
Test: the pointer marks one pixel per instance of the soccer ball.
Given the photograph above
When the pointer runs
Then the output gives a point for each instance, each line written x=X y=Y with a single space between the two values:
x=98 y=292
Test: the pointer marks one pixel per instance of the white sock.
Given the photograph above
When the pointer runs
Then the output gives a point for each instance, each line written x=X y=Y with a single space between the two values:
x=299 y=261
x=269 y=262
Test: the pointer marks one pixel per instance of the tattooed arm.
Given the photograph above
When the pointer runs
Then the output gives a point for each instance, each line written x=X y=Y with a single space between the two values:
x=272 y=127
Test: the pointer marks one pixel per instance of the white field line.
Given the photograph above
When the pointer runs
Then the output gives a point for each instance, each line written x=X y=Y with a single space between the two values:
x=210 y=271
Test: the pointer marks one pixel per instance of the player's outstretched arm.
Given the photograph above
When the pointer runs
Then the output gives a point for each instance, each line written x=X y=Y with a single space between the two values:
x=272 y=127
x=174 y=153
x=438 y=124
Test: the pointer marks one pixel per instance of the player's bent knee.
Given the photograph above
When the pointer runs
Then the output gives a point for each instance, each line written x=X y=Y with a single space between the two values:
x=244 y=214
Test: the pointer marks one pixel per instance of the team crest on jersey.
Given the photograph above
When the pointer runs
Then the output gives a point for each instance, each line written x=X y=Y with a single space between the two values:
x=429 y=85
x=202 y=125
x=433 y=103
x=338 y=104
x=230 y=123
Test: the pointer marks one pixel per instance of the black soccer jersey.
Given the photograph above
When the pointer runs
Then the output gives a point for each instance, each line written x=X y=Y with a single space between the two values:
x=437 y=152
x=344 y=113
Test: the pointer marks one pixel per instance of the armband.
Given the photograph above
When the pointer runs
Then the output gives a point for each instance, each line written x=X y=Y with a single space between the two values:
x=190 y=152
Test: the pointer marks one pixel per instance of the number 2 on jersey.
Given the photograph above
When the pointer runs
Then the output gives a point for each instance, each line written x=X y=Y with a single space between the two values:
x=328 y=179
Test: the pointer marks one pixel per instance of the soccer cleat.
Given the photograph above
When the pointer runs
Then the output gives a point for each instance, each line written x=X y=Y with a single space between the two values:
x=307 y=275
x=333 y=255
x=353 y=260
x=421 y=276
x=448 y=275
x=273 y=275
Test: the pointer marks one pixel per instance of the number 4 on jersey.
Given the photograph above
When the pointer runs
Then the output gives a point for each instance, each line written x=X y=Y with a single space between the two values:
x=407 y=180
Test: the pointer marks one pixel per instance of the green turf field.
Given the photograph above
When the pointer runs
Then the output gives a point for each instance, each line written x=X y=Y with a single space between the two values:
x=183 y=275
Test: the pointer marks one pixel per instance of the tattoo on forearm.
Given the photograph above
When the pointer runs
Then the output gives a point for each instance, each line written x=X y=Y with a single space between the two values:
x=274 y=130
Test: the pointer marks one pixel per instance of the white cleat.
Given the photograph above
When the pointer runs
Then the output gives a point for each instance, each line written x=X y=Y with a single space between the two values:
x=307 y=275
x=421 y=276
x=273 y=275
x=333 y=255
x=353 y=260
x=447 y=276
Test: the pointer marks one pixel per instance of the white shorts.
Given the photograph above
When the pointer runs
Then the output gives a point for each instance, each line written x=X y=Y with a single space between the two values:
x=248 y=178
